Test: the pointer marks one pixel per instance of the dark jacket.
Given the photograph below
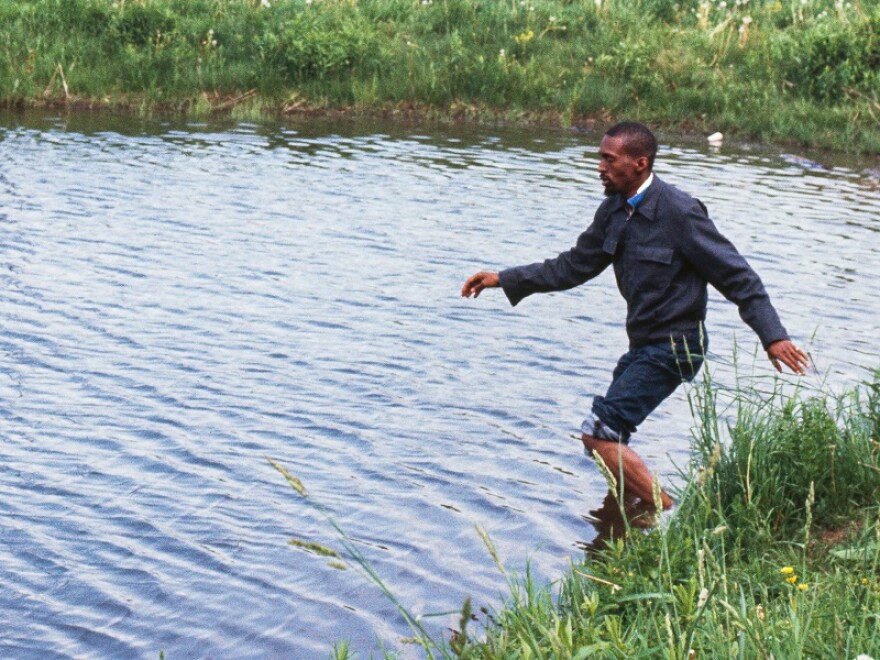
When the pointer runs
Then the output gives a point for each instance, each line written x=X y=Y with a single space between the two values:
x=663 y=257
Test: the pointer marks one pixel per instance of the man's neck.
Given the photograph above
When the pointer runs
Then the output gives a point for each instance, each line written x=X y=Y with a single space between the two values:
x=641 y=186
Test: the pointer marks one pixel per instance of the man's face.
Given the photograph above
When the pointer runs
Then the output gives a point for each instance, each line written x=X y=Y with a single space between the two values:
x=620 y=172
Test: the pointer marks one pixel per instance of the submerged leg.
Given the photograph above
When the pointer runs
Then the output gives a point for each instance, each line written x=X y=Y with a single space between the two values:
x=621 y=460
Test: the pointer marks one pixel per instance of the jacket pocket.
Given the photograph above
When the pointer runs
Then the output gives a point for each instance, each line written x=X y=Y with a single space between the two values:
x=652 y=268
x=658 y=255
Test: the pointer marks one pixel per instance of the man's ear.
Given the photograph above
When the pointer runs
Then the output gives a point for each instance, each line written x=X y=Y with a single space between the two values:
x=642 y=164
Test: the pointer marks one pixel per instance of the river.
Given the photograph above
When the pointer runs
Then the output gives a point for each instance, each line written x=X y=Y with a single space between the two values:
x=182 y=301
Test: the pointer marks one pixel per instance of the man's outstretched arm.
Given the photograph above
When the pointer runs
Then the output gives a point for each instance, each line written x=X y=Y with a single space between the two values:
x=716 y=259
x=479 y=281
x=573 y=267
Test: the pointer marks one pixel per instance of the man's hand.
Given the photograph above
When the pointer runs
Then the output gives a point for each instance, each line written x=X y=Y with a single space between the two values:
x=476 y=283
x=790 y=355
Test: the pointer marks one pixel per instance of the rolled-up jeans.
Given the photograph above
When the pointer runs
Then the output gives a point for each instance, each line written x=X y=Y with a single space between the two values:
x=644 y=377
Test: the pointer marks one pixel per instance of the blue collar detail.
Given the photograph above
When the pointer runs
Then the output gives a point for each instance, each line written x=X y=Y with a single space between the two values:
x=636 y=199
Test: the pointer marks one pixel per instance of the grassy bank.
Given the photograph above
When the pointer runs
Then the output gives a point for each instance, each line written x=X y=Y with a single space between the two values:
x=802 y=71
x=774 y=550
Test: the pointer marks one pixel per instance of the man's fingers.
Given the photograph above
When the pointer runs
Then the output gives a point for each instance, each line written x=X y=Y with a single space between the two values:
x=795 y=366
x=789 y=360
x=469 y=287
x=801 y=360
x=796 y=360
x=471 y=290
x=476 y=283
x=790 y=355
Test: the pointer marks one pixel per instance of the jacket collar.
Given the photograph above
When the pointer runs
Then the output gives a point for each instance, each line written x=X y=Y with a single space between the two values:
x=648 y=206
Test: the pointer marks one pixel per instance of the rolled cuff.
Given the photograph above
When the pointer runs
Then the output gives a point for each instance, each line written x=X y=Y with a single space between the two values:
x=595 y=427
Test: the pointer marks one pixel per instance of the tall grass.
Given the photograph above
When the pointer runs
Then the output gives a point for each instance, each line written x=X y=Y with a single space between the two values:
x=773 y=69
x=774 y=550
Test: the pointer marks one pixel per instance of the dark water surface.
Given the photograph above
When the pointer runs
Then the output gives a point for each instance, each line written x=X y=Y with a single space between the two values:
x=180 y=302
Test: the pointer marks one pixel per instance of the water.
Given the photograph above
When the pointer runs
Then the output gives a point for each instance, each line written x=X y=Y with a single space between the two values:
x=180 y=302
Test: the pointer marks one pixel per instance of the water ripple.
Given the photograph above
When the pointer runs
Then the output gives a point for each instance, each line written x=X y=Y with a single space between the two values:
x=181 y=302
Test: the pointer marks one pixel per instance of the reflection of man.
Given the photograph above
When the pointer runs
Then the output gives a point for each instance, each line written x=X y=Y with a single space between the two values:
x=612 y=519
x=664 y=249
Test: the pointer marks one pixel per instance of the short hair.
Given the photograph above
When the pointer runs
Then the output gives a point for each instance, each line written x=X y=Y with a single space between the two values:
x=638 y=139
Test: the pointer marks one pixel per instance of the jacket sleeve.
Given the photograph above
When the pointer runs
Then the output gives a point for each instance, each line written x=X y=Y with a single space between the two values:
x=717 y=260
x=582 y=262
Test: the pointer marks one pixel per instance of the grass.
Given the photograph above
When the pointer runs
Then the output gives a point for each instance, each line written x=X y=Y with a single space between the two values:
x=783 y=70
x=772 y=551
x=356 y=557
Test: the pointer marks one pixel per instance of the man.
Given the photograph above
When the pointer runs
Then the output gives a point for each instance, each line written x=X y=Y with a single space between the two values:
x=664 y=249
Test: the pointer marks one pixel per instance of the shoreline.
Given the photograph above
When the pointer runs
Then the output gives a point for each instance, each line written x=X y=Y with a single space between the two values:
x=787 y=73
x=765 y=555
x=250 y=108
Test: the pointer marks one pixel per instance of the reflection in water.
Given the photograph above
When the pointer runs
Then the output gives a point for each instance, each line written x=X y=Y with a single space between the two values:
x=181 y=301
x=614 y=519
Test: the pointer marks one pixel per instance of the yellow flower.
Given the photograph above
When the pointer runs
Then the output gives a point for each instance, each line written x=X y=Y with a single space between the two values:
x=792 y=579
x=525 y=37
x=864 y=580
x=788 y=570
x=803 y=586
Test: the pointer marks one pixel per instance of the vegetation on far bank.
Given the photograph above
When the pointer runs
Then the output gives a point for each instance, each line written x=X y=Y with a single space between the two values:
x=804 y=71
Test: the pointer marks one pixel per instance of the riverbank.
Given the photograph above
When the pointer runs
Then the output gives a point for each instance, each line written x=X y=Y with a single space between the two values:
x=785 y=71
x=772 y=551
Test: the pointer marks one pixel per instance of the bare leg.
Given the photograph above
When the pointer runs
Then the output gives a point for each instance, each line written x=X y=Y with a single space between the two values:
x=620 y=459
